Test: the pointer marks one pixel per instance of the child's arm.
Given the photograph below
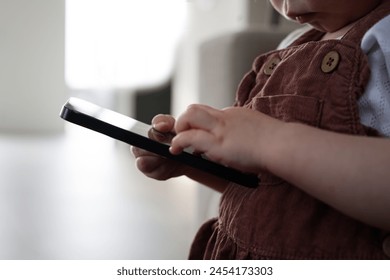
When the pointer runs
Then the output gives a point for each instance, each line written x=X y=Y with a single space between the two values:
x=350 y=173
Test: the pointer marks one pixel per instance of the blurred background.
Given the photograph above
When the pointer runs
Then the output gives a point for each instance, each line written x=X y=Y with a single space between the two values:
x=69 y=193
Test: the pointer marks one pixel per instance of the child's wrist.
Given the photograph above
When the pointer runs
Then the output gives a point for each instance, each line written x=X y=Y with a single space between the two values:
x=280 y=144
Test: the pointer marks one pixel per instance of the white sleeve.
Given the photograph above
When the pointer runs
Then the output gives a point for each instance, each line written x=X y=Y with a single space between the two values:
x=374 y=105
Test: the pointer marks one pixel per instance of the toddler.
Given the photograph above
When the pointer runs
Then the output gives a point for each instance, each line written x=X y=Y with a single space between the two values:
x=311 y=119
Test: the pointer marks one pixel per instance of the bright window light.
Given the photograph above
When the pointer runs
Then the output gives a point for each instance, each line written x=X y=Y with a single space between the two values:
x=121 y=43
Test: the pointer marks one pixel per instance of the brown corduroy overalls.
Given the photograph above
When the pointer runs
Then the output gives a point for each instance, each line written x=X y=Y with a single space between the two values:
x=317 y=83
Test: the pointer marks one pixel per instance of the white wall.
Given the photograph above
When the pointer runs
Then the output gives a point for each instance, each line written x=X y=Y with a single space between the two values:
x=32 y=86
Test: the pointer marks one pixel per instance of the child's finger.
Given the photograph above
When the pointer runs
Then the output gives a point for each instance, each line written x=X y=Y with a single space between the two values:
x=163 y=123
x=198 y=117
x=197 y=139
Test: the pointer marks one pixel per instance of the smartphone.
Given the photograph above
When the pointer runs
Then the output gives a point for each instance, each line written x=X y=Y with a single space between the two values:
x=142 y=135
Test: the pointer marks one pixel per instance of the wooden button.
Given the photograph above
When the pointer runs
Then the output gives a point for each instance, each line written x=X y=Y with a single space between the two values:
x=386 y=246
x=330 y=62
x=271 y=65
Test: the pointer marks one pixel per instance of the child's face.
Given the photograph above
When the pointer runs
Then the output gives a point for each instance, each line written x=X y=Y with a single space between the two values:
x=325 y=15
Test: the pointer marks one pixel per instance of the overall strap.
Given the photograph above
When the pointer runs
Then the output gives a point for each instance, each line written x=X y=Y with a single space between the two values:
x=364 y=24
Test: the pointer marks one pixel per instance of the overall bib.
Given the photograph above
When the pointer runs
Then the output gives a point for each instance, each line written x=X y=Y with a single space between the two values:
x=316 y=83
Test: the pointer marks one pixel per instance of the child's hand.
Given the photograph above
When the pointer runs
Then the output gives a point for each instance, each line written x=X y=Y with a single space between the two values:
x=155 y=166
x=236 y=137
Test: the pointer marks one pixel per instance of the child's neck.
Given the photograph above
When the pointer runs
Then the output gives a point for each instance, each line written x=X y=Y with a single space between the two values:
x=338 y=33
